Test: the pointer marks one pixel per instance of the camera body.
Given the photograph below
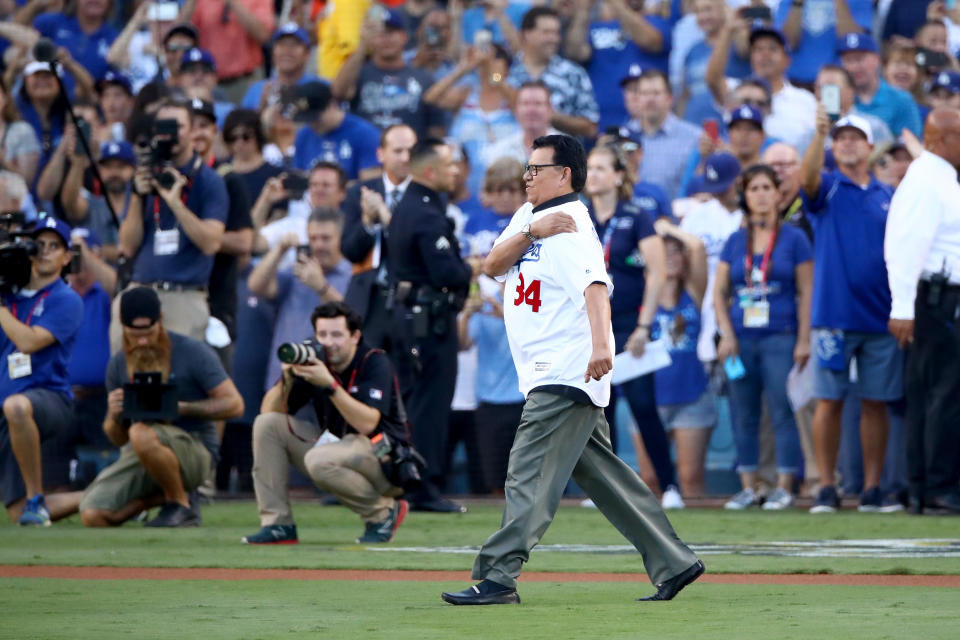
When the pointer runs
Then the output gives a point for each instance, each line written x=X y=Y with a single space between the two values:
x=16 y=249
x=149 y=399
x=157 y=154
x=301 y=352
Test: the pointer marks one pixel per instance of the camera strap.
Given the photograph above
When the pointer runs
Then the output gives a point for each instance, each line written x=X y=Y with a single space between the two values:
x=184 y=193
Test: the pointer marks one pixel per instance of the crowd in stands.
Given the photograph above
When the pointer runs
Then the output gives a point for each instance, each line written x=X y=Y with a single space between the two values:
x=742 y=158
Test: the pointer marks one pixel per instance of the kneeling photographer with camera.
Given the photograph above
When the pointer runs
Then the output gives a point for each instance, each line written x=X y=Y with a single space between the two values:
x=165 y=390
x=364 y=458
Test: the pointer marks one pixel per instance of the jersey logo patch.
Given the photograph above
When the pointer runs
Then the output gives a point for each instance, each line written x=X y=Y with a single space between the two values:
x=541 y=367
x=532 y=254
x=376 y=394
x=442 y=244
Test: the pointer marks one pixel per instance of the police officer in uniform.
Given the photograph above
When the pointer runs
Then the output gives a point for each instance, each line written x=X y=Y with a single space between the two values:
x=431 y=282
x=922 y=251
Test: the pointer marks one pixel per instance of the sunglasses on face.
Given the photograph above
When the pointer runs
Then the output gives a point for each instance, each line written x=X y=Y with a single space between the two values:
x=178 y=48
x=246 y=136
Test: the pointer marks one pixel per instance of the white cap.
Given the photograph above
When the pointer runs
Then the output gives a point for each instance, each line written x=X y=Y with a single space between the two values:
x=854 y=122
x=35 y=66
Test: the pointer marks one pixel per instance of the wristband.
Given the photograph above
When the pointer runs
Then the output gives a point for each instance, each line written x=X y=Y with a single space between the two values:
x=645 y=327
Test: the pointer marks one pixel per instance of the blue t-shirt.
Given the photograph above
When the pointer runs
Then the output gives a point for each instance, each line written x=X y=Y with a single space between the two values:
x=352 y=145
x=473 y=21
x=850 y=288
x=652 y=200
x=780 y=290
x=895 y=107
x=58 y=309
x=251 y=99
x=89 y=50
x=483 y=227
x=497 y=381
x=49 y=137
x=818 y=39
x=207 y=199
x=620 y=237
x=612 y=54
x=685 y=379
x=88 y=362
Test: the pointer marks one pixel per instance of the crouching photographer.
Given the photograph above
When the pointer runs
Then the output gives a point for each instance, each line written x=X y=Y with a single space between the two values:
x=360 y=451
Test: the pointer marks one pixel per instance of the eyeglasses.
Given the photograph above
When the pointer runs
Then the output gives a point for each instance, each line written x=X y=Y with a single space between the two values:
x=178 y=48
x=759 y=104
x=246 y=136
x=534 y=169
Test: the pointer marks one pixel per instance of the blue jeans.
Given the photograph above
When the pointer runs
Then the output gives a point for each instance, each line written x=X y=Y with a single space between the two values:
x=767 y=361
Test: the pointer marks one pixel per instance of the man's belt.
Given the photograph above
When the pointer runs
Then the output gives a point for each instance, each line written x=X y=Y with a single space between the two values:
x=163 y=285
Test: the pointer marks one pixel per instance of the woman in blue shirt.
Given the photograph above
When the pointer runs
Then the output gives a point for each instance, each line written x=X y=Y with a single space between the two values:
x=636 y=264
x=767 y=271
x=686 y=405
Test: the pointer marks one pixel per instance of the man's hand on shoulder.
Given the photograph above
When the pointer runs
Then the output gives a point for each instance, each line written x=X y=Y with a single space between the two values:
x=314 y=372
x=553 y=224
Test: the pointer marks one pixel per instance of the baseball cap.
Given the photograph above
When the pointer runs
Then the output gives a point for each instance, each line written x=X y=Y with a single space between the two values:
x=89 y=236
x=200 y=107
x=198 y=56
x=761 y=29
x=139 y=302
x=634 y=72
x=853 y=122
x=294 y=30
x=115 y=78
x=118 y=150
x=856 y=42
x=49 y=223
x=393 y=20
x=949 y=80
x=625 y=134
x=719 y=172
x=35 y=67
x=184 y=28
x=305 y=102
x=742 y=113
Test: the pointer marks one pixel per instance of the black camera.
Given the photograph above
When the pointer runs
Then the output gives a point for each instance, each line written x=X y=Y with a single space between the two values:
x=45 y=50
x=149 y=399
x=401 y=464
x=16 y=249
x=157 y=154
x=295 y=184
x=931 y=61
x=301 y=352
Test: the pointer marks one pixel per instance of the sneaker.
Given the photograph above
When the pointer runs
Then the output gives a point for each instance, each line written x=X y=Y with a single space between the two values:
x=827 y=501
x=742 y=500
x=871 y=500
x=672 y=499
x=890 y=504
x=779 y=500
x=35 y=513
x=274 y=534
x=383 y=531
x=174 y=514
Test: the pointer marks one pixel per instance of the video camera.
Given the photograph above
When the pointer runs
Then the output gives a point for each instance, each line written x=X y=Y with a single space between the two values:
x=16 y=249
x=157 y=153
x=301 y=352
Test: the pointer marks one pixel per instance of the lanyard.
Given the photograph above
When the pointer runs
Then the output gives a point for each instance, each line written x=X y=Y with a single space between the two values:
x=183 y=194
x=607 y=241
x=13 y=308
x=765 y=265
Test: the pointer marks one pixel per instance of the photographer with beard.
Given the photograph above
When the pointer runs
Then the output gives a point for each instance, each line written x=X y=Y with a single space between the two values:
x=355 y=394
x=160 y=463
x=39 y=326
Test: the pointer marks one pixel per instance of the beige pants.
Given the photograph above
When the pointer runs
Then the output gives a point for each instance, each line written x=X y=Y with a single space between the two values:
x=184 y=312
x=347 y=469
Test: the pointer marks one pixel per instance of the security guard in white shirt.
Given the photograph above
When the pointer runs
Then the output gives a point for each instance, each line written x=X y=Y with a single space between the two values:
x=557 y=314
x=922 y=252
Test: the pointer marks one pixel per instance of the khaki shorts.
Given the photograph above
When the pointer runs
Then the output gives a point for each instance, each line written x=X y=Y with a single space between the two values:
x=126 y=480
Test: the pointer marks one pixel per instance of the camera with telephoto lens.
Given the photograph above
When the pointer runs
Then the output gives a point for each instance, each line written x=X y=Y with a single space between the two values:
x=157 y=153
x=301 y=352
x=16 y=249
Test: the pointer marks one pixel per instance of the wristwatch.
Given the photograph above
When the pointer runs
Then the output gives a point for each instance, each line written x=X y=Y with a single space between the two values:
x=525 y=230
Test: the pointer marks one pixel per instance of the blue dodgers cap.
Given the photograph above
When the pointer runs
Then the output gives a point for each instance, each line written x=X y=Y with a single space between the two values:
x=742 y=113
x=719 y=173
x=49 y=223
x=949 y=80
x=118 y=150
x=293 y=30
x=196 y=55
x=634 y=72
x=856 y=42
x=760 y=29
x=393 y=20
x=117 y=79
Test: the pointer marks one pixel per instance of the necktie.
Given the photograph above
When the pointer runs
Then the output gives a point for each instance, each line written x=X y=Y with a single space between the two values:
x=395 y=196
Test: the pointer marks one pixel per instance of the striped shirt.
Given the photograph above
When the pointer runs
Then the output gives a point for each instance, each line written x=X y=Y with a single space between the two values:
x=666 y=152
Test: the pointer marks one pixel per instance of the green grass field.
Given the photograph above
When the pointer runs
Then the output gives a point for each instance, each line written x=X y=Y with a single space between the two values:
x=45 y=608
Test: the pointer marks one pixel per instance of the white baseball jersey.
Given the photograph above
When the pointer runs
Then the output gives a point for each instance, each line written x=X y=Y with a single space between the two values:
x=544 y=307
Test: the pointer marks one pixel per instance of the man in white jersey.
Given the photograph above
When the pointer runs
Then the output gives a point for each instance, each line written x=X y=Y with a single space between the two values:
x=557 y=313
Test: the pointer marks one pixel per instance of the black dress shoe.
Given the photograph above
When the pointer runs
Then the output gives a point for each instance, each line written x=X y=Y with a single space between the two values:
x=487 y=592
x=667 y=590
x=439 y=505
x=174 y=514
x=948 y=504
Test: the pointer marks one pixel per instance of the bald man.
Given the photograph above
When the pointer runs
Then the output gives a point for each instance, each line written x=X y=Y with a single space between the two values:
x=785 y=160
x=922 y=252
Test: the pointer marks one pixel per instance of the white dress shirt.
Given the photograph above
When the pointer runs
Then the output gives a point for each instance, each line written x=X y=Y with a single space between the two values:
x=923 y=230
x=793 y=117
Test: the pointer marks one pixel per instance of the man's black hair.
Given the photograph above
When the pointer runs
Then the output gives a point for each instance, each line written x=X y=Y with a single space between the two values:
x=336 y=310
x=320 y=165
x=567 y=152
x=425 y=149
x=529 y=22
x=245 y=118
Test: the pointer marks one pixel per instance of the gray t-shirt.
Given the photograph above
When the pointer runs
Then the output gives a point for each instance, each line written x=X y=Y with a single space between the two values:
x=195 y=369
x=19 y=139
x=99 y=219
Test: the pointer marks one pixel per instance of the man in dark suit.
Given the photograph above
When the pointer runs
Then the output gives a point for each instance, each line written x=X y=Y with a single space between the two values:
x=367 y=210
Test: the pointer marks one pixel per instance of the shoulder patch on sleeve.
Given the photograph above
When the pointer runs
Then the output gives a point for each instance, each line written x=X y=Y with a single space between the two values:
x=442 y=244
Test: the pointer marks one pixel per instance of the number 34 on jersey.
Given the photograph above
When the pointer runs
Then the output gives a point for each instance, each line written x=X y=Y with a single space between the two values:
x=528 y=294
